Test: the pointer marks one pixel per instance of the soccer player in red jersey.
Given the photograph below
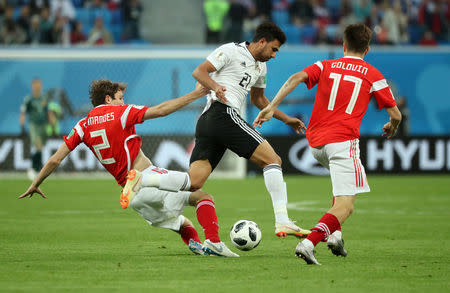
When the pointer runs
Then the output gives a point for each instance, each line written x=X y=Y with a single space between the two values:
x=345 y=86
x=109 y=132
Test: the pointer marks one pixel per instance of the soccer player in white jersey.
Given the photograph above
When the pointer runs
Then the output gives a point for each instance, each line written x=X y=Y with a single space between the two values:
x=231 y=72
x=109 y=132
x=344 y=89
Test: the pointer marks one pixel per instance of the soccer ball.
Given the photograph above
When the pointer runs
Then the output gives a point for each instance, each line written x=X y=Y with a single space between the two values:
x=245 y=235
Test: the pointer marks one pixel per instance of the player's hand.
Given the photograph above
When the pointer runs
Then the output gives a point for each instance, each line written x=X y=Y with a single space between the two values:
x=297 y=125
x=31 y=191
x=264 y=115
x=389 y=130
x=201 y=90
x=220 y=93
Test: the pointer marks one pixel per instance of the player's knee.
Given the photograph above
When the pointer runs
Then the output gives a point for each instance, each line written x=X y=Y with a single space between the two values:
x=205 y=196
x=350 y=209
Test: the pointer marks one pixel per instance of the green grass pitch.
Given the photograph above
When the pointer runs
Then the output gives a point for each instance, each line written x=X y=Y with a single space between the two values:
x=80 y=240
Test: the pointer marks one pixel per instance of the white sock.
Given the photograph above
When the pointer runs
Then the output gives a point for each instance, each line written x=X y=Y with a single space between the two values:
x=308 y=243
x=337 y=234
x=273 y=178
x=171 y=181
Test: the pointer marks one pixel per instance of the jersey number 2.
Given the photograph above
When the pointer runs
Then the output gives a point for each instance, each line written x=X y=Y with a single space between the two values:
x=245 y=81
x=336 y=80
x=102 y=146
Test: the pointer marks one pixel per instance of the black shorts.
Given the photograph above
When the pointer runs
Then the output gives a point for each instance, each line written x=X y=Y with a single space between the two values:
x=221 y=128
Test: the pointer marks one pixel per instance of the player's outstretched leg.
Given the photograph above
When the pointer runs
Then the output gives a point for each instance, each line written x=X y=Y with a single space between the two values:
x=218 y=249
x=326 y=225
x=206 y=216
x=167 y=180
x=336 y=244
x=273 y=178
x=305 y=250
x=130 y=189
x=189 y=236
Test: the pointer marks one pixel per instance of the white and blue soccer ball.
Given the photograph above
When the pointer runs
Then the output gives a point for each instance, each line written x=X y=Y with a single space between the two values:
x=245 y=235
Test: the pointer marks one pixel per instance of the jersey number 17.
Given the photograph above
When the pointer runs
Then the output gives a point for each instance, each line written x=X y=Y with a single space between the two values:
x=336 y=80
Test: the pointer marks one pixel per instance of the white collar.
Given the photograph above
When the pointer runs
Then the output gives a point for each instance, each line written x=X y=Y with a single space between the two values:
x=353 y=57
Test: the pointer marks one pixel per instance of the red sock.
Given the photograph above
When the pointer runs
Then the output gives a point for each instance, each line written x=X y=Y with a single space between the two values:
x=187 y=233
x=326 y=226
x=206 y=215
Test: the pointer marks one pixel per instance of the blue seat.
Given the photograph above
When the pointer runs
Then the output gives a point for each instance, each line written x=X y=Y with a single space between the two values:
x=116 y=31
x=331 y=30
x=116 y=16
x=309 y=32
x=103 y=13
x=292 y=32
x=280 y=17
x=84 y=16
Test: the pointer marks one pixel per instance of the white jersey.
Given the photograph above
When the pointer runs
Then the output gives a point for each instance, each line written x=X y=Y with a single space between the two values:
x=237 y=71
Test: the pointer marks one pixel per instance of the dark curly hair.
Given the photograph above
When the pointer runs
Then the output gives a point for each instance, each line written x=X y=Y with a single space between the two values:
x=99 y=89
x=270 y=32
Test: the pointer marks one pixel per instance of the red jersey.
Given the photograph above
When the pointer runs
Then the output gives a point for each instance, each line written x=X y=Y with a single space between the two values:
x=108 y=131
x=343 y=94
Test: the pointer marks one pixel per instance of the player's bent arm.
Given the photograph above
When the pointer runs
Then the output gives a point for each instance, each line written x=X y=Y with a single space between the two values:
x=48 y=168
x=290 y=84
x=173 y=105
x=53 y=162
x=258 y=99
x=390 y=128
x=201 y=74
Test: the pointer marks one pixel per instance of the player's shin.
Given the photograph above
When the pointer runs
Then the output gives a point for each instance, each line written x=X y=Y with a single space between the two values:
x=206 y=216
x=170 y=181
x=324 y=228
x=273 y=178
x=187 y=233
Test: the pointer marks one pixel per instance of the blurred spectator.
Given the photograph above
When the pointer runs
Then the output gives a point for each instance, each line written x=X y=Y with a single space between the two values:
x=24 y=18
x=362 y=10
x=434 y=16
x=301 y=12
x=215 y=12
x=95 y=4
x=46 y=26
x=114 y=4
x=347 y=18
x=61 y=32
x=321 y=13
x=36 y=6
x=281 y=4
x=131 y=13
x=395 y=22
x=373 y=20
x=62 y=8
x=428 y=39
x=77 y=36
x=322 y=37
x=236 y=15
x=99 y=35
x=34 y=33
x=263 y=9
x=11 y=33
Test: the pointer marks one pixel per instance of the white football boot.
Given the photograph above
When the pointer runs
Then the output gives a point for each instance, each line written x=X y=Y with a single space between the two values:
x=336 y=244
x=305 y=250
x=289 y=228
x=218 y=249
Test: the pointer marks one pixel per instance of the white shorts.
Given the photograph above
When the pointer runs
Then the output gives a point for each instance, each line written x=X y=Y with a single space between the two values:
x=160 y=208
x=342 y=159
